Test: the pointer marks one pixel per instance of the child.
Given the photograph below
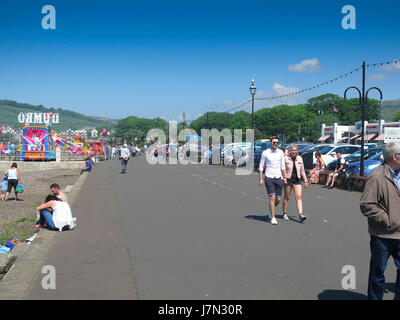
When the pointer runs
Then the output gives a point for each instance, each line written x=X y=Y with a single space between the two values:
x=88 y=166
x=3 y=188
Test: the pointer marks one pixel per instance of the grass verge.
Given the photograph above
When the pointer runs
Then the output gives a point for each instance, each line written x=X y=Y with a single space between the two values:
x=20 y=228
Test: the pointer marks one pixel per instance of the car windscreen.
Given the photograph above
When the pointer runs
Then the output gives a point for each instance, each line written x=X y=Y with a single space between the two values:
x=326 y=150
x=377 y=156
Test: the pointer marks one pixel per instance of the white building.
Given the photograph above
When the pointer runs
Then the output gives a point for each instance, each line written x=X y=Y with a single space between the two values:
x=373 y=132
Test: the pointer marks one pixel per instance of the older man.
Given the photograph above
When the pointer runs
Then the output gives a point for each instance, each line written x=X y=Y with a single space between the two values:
x=125 y=154
x=380 y=202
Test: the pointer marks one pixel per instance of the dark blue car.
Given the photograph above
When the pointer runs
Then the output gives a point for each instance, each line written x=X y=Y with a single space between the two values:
x=369 y=164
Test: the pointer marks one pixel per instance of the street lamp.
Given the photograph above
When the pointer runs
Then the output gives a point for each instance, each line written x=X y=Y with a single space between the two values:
x=363 y=103
x=253 y=92
x=320 y=113
x=184 y=119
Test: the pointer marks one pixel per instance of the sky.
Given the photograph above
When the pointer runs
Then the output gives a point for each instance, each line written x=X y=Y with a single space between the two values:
x=159 y=58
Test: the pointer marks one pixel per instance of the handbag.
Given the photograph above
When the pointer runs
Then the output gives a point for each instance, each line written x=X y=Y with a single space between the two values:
x=20 y=188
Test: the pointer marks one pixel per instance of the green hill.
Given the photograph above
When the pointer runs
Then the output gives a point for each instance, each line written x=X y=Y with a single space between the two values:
x=9 y=111
x=389 y=108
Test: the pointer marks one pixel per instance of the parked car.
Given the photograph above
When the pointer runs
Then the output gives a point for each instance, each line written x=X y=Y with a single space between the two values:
x=329 y=153
x=305 y=148
x=356 y=156
x=368 y=153
x=309 y=155
x=369 y=164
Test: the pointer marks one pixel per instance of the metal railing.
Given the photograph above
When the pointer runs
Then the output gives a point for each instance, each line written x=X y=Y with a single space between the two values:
x=64 y=155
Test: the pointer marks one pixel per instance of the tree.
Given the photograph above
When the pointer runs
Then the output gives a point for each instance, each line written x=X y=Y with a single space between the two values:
x=396 y=116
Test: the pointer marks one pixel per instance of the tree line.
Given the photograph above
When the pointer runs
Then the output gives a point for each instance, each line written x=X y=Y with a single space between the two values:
x=290 y=122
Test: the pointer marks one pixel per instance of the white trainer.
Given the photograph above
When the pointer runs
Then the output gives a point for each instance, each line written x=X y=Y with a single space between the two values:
x=285 y=217
x=273 y=221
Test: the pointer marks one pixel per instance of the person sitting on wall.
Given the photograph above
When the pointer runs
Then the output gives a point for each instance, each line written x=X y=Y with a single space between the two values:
x=89 y=166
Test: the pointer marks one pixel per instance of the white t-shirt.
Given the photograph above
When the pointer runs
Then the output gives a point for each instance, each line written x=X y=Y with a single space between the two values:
x=12 y=174
x=62 y=215
x=275 y=163
x=125 y=153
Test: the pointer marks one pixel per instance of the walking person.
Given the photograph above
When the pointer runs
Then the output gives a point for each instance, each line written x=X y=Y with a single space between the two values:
x=274 y=175
x=12 y=180
x=380 y=203
x=133 y=151
x=295 y=174
x=319 y=167
x=125 y=153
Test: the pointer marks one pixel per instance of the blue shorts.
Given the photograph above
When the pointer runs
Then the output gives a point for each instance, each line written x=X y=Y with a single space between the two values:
x=274 y=186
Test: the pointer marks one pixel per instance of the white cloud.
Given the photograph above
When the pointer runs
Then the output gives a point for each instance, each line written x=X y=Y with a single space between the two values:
x=378 y=77
x=391 y=67
x=310 y=65
x=227 y=102
x=280 y=90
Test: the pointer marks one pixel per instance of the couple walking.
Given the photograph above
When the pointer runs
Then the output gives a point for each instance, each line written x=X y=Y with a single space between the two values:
x=282 y=172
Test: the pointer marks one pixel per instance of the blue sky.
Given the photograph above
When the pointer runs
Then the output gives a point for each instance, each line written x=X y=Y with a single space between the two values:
x=160 y=58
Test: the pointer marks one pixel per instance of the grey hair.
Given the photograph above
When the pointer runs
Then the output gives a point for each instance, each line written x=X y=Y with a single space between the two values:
x=293 y=146
x=393 y=147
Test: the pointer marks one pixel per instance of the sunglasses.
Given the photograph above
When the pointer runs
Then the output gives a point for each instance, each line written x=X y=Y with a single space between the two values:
x=274 y=142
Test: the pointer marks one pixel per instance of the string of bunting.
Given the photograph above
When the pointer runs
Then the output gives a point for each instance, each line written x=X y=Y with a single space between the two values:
x=312 y=88
x=329 y=81
x=318 y=85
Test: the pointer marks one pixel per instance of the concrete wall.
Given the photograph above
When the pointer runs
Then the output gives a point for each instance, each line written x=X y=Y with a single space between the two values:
x=41 y=166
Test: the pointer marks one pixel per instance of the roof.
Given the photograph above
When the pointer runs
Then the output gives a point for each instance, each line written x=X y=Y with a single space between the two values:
x=323 y=138
x=368 y=136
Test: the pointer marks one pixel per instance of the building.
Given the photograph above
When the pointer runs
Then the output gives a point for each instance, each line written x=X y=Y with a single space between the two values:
x=373 y=132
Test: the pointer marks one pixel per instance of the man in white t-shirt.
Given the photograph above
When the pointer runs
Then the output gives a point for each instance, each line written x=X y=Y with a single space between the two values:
x=125 y=153
x=273 y=158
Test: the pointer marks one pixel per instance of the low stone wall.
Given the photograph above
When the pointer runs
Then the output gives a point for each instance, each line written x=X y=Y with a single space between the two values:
x=357 y=181
x=45 y=165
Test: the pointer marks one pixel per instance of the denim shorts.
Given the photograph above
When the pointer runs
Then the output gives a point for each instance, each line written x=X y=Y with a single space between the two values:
x=274 y=186
x=293 y=181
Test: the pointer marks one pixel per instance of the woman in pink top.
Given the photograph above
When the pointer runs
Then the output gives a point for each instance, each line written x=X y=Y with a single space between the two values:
x=294 y=174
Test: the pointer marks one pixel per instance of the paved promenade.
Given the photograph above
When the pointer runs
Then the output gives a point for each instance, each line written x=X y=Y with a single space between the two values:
x=199 y=232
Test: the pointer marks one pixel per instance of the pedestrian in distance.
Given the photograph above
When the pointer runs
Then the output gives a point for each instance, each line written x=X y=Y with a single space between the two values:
x=294 y=174
x=4 y=188
x=12 y=180
x=274 y=160
x=125 y=153
x=380 y=203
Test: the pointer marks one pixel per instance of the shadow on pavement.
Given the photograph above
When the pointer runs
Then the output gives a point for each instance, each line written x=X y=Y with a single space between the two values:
x=265 y=219
x=341 y=295
x=259 y=218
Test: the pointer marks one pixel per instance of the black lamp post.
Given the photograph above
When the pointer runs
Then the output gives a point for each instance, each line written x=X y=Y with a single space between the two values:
x=253 y=92
x=363 y=103
x=184 y=119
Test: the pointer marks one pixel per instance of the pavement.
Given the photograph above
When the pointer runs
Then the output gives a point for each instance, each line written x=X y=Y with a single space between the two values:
x=91 y=261
x=200 y=232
